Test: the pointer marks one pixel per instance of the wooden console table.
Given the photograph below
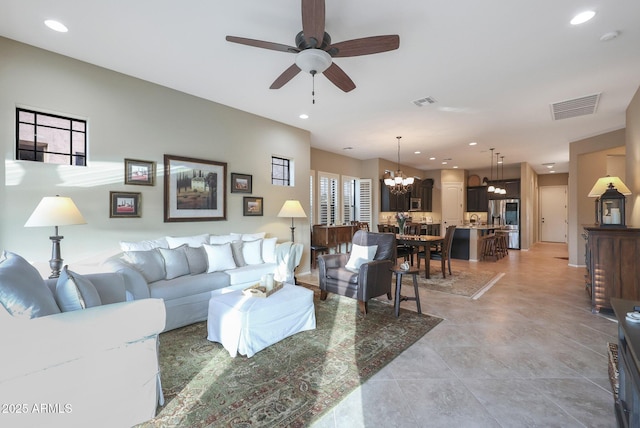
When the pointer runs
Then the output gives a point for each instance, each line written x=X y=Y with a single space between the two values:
x=612 y=265
x=333 y=236
x=627 y=401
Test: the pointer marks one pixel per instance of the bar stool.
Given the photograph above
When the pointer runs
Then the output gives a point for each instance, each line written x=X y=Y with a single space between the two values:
x=502 y=246
x=488 y=247
x=414 y=273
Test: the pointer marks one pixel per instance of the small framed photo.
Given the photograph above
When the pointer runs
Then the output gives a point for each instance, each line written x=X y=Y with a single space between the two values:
x=139 y=172
x=252 y=206
x=124 y=204
x=241 y=183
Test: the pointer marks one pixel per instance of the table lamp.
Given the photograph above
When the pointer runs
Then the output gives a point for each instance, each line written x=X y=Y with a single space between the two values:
x=610 y=203
x=55 y=211
x=292 y=208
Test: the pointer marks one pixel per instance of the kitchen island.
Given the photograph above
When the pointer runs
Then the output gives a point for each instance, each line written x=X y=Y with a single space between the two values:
x=466 y=241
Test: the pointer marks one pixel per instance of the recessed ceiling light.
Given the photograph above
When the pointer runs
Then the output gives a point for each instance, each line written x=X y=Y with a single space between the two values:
x=347 y=148
x=304 y=116
x=582 y=17
x=444 y=162
x=455 y=167
x=549 y=165
x=551 y=172
x=56 y=26
x=432 y=158
x=609 y=36
x=417 y=152
x=473 y=143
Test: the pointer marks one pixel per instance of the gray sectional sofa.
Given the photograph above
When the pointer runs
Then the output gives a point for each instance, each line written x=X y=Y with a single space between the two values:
x=185 y=271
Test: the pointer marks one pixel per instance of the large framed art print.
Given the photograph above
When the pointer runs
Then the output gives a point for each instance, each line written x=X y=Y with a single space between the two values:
x=194 y=189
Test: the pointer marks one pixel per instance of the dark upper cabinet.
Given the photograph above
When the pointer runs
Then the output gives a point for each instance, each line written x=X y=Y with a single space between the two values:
x=477 y=199
x=512 y=187
x=421 y=189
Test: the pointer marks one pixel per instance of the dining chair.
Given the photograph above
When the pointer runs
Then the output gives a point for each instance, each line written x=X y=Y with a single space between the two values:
x=442 y=252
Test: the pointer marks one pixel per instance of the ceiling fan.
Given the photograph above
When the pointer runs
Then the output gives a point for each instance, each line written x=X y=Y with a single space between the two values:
x=315 y=52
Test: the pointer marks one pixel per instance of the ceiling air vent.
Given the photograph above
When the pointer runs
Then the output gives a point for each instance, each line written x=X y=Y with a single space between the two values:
x=423 y=101
x=575 y=107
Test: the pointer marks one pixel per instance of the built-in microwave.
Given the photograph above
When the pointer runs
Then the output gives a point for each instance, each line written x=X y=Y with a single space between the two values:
x=416 y=204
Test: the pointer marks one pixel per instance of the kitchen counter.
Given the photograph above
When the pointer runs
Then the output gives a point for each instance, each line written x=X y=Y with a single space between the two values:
x=466 y=239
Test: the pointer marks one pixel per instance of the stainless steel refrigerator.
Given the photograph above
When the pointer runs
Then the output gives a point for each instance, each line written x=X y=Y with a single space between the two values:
x=506 y=212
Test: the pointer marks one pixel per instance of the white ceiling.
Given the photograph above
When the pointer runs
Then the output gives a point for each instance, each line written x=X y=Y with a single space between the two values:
x=494 y=67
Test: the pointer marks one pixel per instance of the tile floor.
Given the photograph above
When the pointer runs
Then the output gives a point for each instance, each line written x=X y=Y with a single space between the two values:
x=527 y=353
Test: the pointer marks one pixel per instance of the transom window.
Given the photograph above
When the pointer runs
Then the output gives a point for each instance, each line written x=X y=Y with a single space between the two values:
x=280 y=171
x=50 y=138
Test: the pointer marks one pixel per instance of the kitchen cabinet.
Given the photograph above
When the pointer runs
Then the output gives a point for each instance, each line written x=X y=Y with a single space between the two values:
x=477 y=199
x=511 y=186
x=393 y=203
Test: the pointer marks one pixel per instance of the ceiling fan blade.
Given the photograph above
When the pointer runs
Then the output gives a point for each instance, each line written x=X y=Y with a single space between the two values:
x=339 y=78
x=313 y=15
x=365 y=46
x=262 y=44
x=287 y=75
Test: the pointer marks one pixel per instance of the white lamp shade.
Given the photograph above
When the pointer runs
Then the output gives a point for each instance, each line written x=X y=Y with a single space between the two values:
x=55 y=211
x=292 y=208
x=603 y=184
x=310 y=60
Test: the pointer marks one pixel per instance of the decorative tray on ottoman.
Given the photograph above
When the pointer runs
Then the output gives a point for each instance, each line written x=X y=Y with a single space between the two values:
x=258 y=290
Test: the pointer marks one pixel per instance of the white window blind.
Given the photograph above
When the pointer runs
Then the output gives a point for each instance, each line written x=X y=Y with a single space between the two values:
x=363 y=200
x=348 y=199
x=328 y=197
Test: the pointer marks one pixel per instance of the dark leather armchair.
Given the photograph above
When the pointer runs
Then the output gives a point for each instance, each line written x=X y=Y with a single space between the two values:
x=372 y=279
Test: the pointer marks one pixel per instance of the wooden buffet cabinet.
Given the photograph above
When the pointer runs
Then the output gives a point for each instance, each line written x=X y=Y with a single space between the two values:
x=333 y=236
x=613 y=265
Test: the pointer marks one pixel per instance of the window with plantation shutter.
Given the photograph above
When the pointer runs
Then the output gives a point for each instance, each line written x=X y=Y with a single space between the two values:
x=328 y=185
x=363 y=200
x=348 y=199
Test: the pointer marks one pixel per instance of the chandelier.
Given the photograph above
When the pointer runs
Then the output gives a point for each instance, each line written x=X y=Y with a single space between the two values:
x=397 y=182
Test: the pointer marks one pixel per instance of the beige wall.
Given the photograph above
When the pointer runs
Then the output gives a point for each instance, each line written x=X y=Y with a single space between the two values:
x=632 y=143
x=553 y=180
x=587 y=163
x=528 y=206
x=131 y=118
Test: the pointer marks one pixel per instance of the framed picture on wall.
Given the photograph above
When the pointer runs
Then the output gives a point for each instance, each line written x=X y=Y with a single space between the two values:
x=241 y=183
x=139 y=172
x=124 y=204
x=252 y=206
x=194 y=189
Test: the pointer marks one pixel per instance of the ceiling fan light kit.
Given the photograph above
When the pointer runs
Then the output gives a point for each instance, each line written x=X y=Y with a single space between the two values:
x=315 y=51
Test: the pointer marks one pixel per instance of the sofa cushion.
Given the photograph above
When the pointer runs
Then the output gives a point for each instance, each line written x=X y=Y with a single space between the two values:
x=269 y=250
x=249 y=273
x=146 y=245
x=219 y=257
x=23 y=292
x=359 y=255
x=197 y=259
x=149 y=263
x=74 y=292
x=188 y=285
x=252 y=252
x=175 y=261
x=249 y=236
x=342 y=274
x=194 y=241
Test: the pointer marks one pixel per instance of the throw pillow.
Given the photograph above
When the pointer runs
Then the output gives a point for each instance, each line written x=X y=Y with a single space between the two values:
x=192 y=241
x=236 y=249
x=249 y=236
x=23 y=292
x=359 y=255
x=175 y=261
x=219 y=257
x=149 y=263
x=74 y=292
x=269 y=250
x=221 y=239
x=197 y=260
x=252 y=252
x=146 y=245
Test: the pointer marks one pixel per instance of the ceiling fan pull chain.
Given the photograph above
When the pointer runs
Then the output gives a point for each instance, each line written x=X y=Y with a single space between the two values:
x=313 y=86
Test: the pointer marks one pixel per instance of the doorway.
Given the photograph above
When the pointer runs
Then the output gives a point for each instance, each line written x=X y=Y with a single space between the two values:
x=451 y=205
x=553 y=214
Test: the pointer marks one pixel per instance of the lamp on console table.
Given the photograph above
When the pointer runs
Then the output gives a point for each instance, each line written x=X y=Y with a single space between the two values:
x=55 y=211
x=292 y=208
x=610 y=203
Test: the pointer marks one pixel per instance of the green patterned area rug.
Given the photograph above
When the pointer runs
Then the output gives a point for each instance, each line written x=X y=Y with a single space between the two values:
x=291 y=383
x=461 y=282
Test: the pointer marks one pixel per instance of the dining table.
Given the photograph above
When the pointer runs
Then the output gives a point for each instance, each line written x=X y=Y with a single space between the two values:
x=417 y=241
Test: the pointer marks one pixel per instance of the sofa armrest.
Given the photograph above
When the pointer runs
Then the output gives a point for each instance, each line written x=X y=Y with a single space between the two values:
x=288 y=255
x=375 y=279
x=39 y=343
x=135 y=284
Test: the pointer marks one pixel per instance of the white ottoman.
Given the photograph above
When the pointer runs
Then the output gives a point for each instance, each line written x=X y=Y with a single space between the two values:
x=247 y=324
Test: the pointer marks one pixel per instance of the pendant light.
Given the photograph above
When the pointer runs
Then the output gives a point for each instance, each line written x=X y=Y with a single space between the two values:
x=491 y=188
x=503 y=191
x=497 y=190
x=397 y=182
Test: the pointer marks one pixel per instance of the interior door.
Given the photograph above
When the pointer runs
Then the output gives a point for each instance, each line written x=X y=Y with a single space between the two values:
x=452 y=200
x=553 y=213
